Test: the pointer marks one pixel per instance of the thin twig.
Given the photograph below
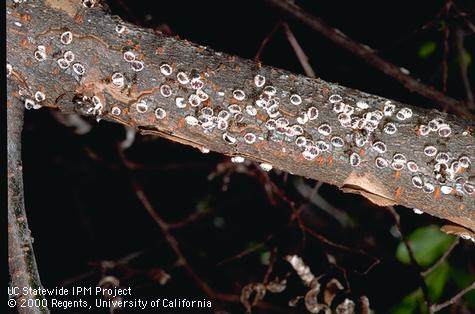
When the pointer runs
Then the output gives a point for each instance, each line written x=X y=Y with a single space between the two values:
x=21 y=257
x=265 y=41
x=245 y=252
x=463 y=67
x=368 y=55
x=445 y=45
x=303 y=59
x=165 y=228
x=422 y=283
x=442 y=258
x=452 y=300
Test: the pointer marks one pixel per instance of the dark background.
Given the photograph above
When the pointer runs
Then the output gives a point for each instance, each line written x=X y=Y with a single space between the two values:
x=82 y=209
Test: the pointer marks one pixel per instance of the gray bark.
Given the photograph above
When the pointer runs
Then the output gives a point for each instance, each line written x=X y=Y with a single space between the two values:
x=99 y=44
x=21 y=258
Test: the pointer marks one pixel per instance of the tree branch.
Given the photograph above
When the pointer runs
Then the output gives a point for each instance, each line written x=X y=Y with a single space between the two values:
x=21 y=258
x=212 y=101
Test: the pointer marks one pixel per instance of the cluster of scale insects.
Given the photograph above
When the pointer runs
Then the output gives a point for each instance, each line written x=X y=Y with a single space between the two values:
x=358 y=121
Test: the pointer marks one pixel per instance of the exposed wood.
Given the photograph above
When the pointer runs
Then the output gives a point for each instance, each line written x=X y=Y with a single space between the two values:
x=101 y=43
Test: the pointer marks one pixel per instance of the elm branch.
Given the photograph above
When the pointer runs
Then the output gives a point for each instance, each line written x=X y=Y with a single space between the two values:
x=81 y=59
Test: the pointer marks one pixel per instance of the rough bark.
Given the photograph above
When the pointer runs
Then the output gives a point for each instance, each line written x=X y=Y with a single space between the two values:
x=100 y=41
x=21 y=258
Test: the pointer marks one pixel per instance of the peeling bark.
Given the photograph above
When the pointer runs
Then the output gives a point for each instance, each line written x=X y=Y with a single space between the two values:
x=151 y=95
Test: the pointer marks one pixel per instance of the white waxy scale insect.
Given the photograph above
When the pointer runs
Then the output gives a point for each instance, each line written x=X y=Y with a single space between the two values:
x=455 y=166
x=430 y=150
x=118 y=79
x=379 y=147
x=250 y=138
x=182 y=78
x=301 y=141
x=273 y=111
x=464 y=161
x=469 y=187
x=79 y=69
x=229 y=138
x=166 y=90
x=66 y=38
x=428 y=187
x=360 y=139
x=180 y=102
x=399 y=158
x=251 y=110
x=337 y=141
x=239 y=95
x=191 y=120
x=116 y=111
x=166 y=69
x=338 y=107
x=63 y=64
x=404 y=113
x=442 y=157
x=68 y=56
x=295 y=99
x=362 y=105
x=194 y=100
x=417 y=182
x=237 y=159
x=259 y=80
x=222 y=124
x=9 y=69
x=141 y=106
x=389 y=108
x=355 y=159
x=129 y=56
x=345 y=120
x=137 y=65
x=234 y=108
x=417 y=211
x=322 y=145
x=435 y=124
x=312 y=113
x=271 y=124
x=238 y=117
x=89 y=3
x=390 y=128
x=348 y=109
x=324 y=129
x=412 y=166
x=381 y=163
x=39 y=96
x=265 y=166
x=398 y=166
x=224 y=114
x=296 y=130
x=29 y=104
x=335 y=98
x=160 y=113
x=120 y=29
x=302 y=118
x=310 y=152
x=423 y=130
x=444 y=130
x=282 y=122
x=445 y=189
x=270 y=90
x=207 y=111
x=202 y=95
